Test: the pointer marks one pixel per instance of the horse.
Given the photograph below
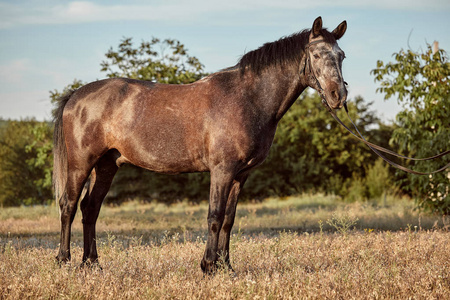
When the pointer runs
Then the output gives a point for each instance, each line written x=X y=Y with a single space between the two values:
x=223 y=123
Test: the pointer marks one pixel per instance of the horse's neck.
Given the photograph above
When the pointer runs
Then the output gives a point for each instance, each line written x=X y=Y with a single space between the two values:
x=277 y=89
x=292 y=94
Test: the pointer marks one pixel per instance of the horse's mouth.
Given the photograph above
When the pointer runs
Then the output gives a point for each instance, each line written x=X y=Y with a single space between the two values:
x=337 y=105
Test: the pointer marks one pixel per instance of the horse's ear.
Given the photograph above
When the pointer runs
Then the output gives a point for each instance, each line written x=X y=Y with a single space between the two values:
x=317 y=27
x=340 y=30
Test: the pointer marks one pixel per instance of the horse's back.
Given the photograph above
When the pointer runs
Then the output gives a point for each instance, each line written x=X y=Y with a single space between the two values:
x=155 y=126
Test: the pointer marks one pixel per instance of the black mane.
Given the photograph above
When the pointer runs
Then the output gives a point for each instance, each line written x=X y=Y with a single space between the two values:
x=284 y=51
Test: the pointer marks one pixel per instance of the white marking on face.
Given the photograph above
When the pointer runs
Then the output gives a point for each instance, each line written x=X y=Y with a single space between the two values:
x=339 y=55
x=326 y=62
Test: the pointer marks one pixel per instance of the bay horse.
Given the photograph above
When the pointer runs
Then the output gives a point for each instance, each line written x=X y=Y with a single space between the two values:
x=223 y=124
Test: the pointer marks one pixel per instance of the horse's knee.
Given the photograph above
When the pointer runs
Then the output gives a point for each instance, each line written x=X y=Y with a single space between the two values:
x=215 y=222
x=214 y=226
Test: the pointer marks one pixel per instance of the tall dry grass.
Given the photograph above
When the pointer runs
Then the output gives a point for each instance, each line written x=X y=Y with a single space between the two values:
x=319 y=266
x=280 y=250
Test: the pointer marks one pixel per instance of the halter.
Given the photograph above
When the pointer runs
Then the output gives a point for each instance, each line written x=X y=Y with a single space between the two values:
x=311 y=70
x=375 y=148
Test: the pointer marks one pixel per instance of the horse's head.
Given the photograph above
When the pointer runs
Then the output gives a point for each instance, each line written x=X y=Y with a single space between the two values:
x=324 y=63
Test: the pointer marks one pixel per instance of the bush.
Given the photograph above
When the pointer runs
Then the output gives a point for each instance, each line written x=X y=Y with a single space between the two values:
x=377 y=180
x=25 y=162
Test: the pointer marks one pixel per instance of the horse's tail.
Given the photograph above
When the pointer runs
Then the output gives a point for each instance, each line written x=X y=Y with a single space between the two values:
x=60 y=150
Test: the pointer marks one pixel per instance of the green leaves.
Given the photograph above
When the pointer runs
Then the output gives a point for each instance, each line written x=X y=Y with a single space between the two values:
x=421 y=83
x=169 y=63
x=25 y=162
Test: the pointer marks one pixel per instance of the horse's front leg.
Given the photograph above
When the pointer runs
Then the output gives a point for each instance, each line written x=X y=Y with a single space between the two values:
x=221 y=182
x=230 y=213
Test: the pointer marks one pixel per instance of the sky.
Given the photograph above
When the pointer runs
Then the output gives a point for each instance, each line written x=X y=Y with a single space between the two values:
x=46 y=44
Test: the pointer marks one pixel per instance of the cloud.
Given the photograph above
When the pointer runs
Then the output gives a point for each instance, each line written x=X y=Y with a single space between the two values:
x=53 y=12
x=13 y=71
x=85 y=11
x=23 y=71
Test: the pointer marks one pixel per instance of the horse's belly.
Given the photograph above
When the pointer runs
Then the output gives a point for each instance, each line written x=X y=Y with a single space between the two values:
x=170 y=164
x=164 y=155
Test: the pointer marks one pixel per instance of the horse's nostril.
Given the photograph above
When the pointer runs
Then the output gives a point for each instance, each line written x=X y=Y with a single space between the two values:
x=335 y=94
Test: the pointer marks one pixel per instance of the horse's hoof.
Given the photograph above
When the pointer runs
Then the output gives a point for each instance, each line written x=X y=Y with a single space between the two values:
x=211 y=268
x=208 y=268
x=92 y=265
x=62 y=260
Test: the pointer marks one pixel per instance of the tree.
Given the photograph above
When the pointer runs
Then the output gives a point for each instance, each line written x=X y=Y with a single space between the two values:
x=169 y=64
x=25 y=163
x=421 y=83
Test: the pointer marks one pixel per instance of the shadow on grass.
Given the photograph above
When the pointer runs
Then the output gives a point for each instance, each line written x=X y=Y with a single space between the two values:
x=147 y=224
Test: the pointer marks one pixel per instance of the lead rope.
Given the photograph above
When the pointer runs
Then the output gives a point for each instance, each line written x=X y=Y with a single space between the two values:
x=377 y=149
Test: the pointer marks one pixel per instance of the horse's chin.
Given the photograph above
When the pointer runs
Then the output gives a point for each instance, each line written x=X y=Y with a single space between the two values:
x=338 y=105
x=332 y=105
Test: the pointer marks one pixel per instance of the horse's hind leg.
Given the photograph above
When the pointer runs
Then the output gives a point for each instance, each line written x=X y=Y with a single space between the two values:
x=68 y=208
x=101 y=178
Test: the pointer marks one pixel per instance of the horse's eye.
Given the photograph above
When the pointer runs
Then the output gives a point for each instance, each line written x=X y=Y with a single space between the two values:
x=316 y=56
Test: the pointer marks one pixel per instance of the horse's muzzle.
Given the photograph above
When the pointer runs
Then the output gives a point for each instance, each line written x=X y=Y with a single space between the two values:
x=337 y=95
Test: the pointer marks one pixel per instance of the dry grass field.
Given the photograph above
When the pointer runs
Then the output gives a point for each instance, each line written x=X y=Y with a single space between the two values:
x=309 y=247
